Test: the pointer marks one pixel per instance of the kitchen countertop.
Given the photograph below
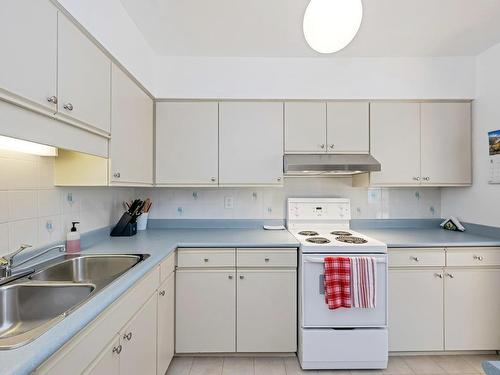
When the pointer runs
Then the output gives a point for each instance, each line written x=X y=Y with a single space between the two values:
x=426 y=233
x=159 y=243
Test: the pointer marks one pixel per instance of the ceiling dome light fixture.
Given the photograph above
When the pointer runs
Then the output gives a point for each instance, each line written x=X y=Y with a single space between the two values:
x=330 y=25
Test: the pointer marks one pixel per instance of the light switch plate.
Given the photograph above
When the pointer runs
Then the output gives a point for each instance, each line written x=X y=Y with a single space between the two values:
x=228 y=202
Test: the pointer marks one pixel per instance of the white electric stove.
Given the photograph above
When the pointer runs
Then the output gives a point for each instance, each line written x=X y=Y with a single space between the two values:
x=343 y=338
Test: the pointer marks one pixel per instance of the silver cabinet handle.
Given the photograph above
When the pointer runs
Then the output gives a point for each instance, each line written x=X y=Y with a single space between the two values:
x=68 y=106
x=322 y=145
x=278 y=179
x=266 y=260
x=416 y=259
x=426 y=178
x=332 y=145
x=117 y=175
x=213 y=179
x=440 y=275
x=478 y=257
x=162 y=293
x=416 y=178
x=127 y=336
x=242 y=277
x=52 y=99
x=230 y=277
x=450 y=275
x=205 y=260
x=117 y=349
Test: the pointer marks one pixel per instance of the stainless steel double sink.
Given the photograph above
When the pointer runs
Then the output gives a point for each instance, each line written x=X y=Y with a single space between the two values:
x=32 y=304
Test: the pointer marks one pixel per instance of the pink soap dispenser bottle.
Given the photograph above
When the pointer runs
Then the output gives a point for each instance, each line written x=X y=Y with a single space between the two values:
x=73 y=239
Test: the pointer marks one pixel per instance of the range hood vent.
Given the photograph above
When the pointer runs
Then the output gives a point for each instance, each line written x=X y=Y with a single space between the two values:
x=329 y=164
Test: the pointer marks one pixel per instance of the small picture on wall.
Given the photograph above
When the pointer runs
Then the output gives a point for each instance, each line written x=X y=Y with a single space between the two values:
x=494 y=138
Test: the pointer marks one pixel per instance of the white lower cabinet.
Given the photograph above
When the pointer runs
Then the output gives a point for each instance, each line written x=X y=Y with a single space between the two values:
x=108 y=363
x=472 y=309
x=238 y=307
x=415 y=309
x=266 y=311
x=444 y=306
x=205 y=319
x=166 y=325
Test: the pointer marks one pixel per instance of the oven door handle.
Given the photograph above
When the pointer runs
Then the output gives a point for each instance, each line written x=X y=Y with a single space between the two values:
x=321 y=260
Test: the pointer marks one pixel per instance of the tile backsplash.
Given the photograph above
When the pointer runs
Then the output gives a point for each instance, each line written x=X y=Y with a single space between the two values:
x=35 y=212
x=270 y=203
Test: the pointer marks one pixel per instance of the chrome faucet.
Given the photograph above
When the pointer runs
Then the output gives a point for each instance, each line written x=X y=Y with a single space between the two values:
x=7 y=261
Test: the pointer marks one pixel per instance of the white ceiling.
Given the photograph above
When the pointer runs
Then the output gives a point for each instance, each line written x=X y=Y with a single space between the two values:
x=273 y=28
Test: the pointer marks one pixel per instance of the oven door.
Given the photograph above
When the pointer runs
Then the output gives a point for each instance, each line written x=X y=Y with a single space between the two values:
x=314 y=310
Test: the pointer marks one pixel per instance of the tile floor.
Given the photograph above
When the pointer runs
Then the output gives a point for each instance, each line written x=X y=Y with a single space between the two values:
x=421 y=365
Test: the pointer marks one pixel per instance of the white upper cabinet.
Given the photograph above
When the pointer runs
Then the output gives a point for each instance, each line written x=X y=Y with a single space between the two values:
x=28 y=41
x=131 y=147
x=348 y=127
x=250 y=143
x=187 y=143
x=305 y=127
x=84 y=79
x=395 y=142
x=446 y=143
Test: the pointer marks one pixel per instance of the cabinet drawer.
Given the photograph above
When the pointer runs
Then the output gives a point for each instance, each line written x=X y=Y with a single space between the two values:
x=480 y=256
x=416 y=257
x=194 y=257
x=266 y=257
x=167 y=267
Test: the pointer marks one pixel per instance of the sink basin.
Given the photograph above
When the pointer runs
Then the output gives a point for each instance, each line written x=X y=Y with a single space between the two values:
x=83 y=268
x=30 y=305
x=27 y=307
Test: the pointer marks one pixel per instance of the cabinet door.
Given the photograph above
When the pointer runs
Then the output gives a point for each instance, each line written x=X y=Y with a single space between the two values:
x=446 y=143
x=131 y=147
x=251 y=143
x=205 y=311
x=415 y=309
x=108 y=362
x=348 y=129
x=139 y=341
x=472 y=309
x=166 y=311
x=84 y=78
x=28 y=41
x=187 y=143
x=395 y=142
x=305 y=127
x=266 y=311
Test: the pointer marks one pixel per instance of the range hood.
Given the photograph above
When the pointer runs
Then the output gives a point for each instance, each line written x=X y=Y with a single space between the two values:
x=333 y=164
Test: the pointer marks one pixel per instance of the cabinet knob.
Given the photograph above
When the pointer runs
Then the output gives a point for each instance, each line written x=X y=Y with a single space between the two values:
x=478 y=257
x=205 y=260
x=162 y=293
x=52 y=99
x=450 y=275
x=278 y=179
x=332 y=145
x=213 y=179
x=322 y=145
x=416 y=259
x=128 y=336
x=117 y=349
x=440 y=275
x=426 y=178
x=230 y=277
x=68 y=106
x=266 y=260
x=117 y=175
x=242 y=277
x=416 y=178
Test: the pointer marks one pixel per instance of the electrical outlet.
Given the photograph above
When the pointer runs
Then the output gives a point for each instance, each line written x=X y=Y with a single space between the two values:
x=228 y=203
x=69 y=198
x=49 y=226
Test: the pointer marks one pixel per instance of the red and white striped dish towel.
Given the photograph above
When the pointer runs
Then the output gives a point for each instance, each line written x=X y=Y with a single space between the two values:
x=364 y=282
x=337 y=282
